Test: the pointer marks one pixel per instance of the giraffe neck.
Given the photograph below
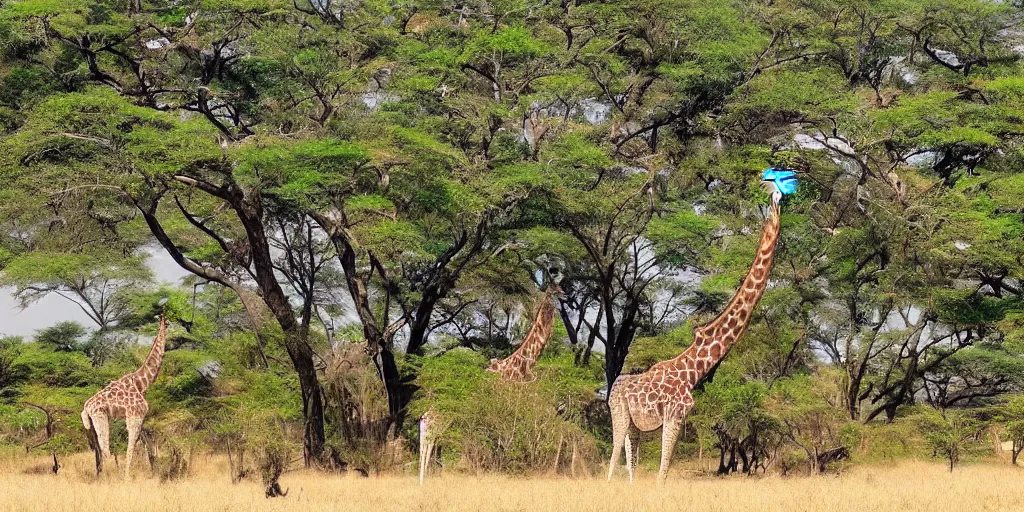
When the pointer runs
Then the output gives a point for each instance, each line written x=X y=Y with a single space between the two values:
x=150 y=368
x=540 y=332
x=713 y=340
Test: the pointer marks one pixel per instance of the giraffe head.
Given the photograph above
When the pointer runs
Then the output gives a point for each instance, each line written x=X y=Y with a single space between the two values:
x=778 y=183
x=554 y=281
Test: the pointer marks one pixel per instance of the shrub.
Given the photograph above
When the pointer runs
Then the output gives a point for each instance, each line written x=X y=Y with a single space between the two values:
x=55 y=369
x=948 y=432
x=106 y=346
x=807 y=419
x=357 y=405
x=62 y=337
x=491 y=425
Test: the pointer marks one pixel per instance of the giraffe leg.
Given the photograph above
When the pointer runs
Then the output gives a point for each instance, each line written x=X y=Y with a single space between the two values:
x=101 y=424
x=134 y=424
x=432 y=453
x=669 y=434
x=94 y=443
x=632 y=450
x=424 y=448
x=620 y=429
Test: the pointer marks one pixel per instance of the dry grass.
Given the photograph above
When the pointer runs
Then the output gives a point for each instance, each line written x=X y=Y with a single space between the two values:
x=907 y=486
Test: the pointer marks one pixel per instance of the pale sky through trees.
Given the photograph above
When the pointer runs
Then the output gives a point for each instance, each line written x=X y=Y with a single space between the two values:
x=15 y=321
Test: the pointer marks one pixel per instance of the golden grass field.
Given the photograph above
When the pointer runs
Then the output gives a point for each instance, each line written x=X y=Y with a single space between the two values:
x=905 y=486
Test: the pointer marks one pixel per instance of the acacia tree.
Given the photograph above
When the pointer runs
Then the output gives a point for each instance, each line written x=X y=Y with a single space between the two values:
x=403 y=232
x=896 y=176
x=413 y=154
x=100 y=285
x=644 y=62
x=156 y=159
x=949 y=432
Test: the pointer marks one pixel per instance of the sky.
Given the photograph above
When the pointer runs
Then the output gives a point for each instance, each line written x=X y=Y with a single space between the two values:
x=15 y=321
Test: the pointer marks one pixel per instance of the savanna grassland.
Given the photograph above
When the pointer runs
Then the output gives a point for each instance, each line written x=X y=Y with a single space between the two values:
x=368 y=198
x=910 y=485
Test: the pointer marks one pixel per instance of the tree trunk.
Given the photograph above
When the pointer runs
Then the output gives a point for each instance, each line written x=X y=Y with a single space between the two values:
x=572 y=461
x=558 y=455
x=852 y=397
x=700 y=453
x=570 y=329
x=373 y=332
x=612 y=368
x=421 y=322
x=615 y=355
x=250 y=214
x=313 y=408
x=744 y=460
x=398 y=395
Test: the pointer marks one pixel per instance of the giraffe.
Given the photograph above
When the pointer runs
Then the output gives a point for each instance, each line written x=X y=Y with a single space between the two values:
x=662 y=396
x=429 y=430
x=124 y=398
x=517 y=367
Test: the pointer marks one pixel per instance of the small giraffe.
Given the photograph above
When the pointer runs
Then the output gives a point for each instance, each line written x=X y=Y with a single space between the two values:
x=428 y=438
x=124 y=398
x=662 y=396
x=517 y=367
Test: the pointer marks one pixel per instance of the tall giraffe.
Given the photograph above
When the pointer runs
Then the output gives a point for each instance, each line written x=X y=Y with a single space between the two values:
x=124 y=398
x=517 y=367
x=662 y=396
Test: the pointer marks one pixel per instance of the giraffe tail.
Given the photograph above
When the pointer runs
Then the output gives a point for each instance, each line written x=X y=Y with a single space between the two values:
x=94 y=440
x=90 y=431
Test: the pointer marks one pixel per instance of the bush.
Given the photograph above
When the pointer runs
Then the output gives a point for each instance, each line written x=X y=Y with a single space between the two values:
x=491 y=425
x=357 y=405
x=10 y=376
x=55 y=369
x=645 y=352
x=808 y=420
x=106 y=346
x=272 y=460
x=63 y=337
x=887 y=442
x=948 y=432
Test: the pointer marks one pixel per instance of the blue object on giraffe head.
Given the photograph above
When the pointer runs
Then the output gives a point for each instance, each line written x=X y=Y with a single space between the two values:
x=783 y=179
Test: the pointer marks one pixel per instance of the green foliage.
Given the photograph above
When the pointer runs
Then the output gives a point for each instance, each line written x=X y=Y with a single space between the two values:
x=646 y=351
x=450 y=380
x=299 y=171
x=488 y=424
x=57 y=369
x=431 y=159
x=947 y=432
x=62 y=337
x=805 y=408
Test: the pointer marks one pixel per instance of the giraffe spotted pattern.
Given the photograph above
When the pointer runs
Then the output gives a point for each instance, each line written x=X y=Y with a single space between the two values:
x=518 y=367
